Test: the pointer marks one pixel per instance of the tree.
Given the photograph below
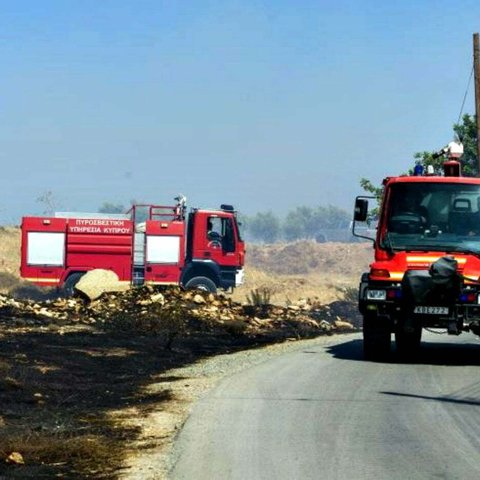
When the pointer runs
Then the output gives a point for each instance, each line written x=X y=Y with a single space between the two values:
x=369 y=187
x=307 y=222
x=377 y=192
x=465 y=132
x=329 y=218
x=294 y=226
x=48 y=201
x=243 y=222
x=264 y=227
x=299 y=223
x=108 y=207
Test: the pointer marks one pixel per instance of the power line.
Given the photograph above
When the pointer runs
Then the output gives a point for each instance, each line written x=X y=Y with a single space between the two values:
x=465 y=96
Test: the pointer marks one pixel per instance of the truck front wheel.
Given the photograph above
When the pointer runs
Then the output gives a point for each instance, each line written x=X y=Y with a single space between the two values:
x=376 y=338
x=202 y=283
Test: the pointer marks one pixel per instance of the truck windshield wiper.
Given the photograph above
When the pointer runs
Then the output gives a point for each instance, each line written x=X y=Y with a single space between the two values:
x=433 y=249
x=463 y=250
x=445 y=248
x=430 y=248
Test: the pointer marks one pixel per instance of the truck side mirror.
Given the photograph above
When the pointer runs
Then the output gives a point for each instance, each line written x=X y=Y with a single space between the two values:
x=361 y=210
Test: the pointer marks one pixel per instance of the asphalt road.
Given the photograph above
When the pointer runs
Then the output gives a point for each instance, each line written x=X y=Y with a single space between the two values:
x=324 y=413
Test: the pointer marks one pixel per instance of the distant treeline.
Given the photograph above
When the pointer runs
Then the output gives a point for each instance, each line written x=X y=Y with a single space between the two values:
x=320 y=223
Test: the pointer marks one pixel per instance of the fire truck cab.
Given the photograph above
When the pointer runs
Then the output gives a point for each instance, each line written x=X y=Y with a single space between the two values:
x=150 y=244
x=427 y=260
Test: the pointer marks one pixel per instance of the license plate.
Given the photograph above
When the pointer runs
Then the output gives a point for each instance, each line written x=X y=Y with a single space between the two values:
x=431 y=310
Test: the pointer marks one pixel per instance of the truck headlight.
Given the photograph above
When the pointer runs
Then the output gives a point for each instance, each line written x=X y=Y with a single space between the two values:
x=376 y=294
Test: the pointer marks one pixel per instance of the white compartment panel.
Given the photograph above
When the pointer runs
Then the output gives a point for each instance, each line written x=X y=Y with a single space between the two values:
x=163 y=249
x=45 y=248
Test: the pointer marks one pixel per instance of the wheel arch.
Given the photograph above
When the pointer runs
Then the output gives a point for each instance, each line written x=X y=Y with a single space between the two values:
x=201 y=268
x=72 y=271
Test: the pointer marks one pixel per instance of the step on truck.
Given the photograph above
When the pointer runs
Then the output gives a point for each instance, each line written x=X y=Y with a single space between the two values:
x=150 y=244
x=426 y=269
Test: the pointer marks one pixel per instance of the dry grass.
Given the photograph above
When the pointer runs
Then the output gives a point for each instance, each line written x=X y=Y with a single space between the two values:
x=327 y=271
x=10 y=260
x=307 y=257
x=86 y=453
x=10 y=250
x=7 y=281
x=287 y=288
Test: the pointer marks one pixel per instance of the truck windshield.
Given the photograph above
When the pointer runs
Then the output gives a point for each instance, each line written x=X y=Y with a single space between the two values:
x=433 y=216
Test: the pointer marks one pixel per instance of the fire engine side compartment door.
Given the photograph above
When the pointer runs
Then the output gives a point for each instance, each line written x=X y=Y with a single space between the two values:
x=164 y=251
x=43 y=250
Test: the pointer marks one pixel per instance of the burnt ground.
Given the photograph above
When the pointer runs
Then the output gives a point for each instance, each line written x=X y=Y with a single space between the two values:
x=62 y=386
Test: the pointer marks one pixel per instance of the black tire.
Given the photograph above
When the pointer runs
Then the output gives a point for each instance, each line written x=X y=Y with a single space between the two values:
x=376 y=338
x=202 y=283
x=408 y=343
x=69 y=285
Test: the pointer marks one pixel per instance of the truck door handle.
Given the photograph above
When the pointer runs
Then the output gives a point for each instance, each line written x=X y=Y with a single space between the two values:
x=207 y=254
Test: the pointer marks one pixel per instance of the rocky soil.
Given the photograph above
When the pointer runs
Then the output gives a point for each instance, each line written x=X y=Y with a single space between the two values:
x=171 y=309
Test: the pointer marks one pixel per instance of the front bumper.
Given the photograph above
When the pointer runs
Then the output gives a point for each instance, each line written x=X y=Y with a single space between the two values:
x=460 y=317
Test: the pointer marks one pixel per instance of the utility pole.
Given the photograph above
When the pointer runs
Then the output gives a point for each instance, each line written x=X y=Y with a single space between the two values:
x=476 y=69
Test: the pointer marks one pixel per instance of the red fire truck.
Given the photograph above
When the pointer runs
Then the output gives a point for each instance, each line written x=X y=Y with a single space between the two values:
x=427 y=258
x=165 y=247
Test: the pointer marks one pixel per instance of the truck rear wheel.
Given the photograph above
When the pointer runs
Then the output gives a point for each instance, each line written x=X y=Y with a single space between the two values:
x=69 y=284
x=376 y=338
x=408 y=343
x=202 y=283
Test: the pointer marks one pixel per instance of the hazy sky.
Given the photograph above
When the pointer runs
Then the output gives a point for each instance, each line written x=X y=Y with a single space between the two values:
x=266 y=104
